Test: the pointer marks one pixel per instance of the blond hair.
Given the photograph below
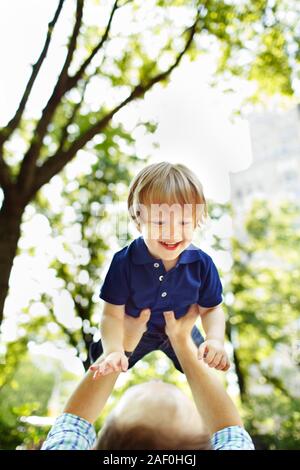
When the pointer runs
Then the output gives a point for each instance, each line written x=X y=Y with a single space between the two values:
x=166 y=183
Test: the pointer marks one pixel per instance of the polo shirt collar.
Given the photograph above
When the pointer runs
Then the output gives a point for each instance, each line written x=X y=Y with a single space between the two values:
x=141 y=254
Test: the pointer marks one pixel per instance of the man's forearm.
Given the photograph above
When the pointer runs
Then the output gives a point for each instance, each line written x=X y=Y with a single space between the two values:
x=213 y=403
x=213 y=322
x=112 y=333
x=90 y=396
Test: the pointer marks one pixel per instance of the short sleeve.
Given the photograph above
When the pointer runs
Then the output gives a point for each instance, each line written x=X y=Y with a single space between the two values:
x=70 y=432
x=210 y=292
x=232 y=438
x=115 y=288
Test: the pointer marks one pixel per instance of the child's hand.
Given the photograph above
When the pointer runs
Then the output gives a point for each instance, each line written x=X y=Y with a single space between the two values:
x=213 y=353
x=113 y=362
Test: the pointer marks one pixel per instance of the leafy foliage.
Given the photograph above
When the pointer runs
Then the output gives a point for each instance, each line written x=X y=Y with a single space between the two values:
x=264 y=322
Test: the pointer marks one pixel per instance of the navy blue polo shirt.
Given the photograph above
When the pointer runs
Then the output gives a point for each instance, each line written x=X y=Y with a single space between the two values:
x=138 y=280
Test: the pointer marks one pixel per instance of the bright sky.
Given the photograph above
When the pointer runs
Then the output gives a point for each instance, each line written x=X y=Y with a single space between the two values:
x=194 y=120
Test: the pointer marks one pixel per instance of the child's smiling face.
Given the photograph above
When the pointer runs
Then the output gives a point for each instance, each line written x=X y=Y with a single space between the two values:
x=167 y=229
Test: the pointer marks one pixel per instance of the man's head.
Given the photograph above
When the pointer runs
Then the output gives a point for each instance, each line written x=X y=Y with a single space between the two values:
x=153 y=415
x=166 y=202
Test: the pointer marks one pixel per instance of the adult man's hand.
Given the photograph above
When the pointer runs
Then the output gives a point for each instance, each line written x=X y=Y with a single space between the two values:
x=134 y=329
x=182 y=327
x=212 y=352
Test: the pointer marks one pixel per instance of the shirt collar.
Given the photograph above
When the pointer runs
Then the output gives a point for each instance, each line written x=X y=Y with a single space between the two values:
x=141 y=254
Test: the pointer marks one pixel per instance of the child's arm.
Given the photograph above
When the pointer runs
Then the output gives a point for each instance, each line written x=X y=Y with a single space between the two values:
x=90 y=397
x=213 y=321
x=113 y=358
x=118 y=332
x=112 y=328
x=212 y=350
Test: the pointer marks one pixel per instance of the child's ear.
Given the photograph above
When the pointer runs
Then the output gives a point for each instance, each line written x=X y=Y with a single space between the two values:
x=137 y=226
x=138 y=222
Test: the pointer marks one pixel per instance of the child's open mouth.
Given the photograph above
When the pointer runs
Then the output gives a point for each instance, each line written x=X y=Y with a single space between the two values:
x=170 y=246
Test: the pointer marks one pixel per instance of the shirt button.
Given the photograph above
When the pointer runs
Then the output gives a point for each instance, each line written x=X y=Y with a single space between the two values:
x=161 y=278
x=156 y=265
x=164 y=294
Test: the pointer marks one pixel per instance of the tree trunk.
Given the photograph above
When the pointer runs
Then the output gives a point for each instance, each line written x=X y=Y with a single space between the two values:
x=88 y=339
x=238 y=370
x=10 y=229
x=240 y=375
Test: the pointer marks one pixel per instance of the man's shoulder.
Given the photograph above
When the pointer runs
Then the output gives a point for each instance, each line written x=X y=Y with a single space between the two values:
x=70 y=432
x=232 y=438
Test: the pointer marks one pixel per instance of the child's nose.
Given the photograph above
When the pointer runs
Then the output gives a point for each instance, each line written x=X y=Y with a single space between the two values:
x=171 y=233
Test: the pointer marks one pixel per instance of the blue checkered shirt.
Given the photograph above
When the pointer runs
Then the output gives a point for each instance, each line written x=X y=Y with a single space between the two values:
x=71 y=432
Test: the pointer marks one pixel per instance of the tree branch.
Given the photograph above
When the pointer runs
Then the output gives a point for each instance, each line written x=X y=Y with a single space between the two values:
x=55 y=163
x=27 y=171
x=14 y=122
x=239 y=372
x=277 y=383
x=74 y=79
x=76 y=108
x=65 y=330
x=5 y=176
x=70 y=121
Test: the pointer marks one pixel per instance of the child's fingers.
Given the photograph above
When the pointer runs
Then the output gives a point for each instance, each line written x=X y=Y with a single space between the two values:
x=217 y=359
x=210 y=357
x=227 y=366
x=108 y=370
x=201 y=351
x=102 y=366
x=97 y=371
x=94 y=367
x=111 y=365
x=222 y=363
x=100 y=370
x=108 y=366
x=96 y=375
x=124 y=363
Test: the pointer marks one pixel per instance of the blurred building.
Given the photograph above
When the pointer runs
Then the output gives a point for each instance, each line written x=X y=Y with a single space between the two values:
x=274 y=175
x=275 y=170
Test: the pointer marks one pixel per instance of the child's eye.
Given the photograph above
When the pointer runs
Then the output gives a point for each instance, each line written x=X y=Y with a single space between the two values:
x=184 y=222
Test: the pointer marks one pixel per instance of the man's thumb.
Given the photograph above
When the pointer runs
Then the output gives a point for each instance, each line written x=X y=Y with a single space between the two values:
x=169 y=316
x=145 y=314
x=193 y=311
